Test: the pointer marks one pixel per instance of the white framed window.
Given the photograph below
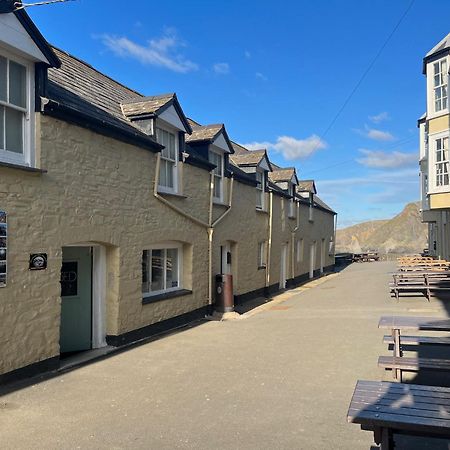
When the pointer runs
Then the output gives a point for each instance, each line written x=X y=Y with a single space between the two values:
x=217 y=159
x=16 y=110
x=441 y=161
x=330 y=246
x=440 y=87
x=260 y=189
x=168 y=179
x=262 y=254
x=161 y=269
x=291 y=203
x=300 y=250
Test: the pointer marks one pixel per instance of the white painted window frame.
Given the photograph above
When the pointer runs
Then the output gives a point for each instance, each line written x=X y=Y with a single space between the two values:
x=28 y=156
x=165 y=246
x=174 y=132
x=217 y=176
x=260 y=189
x=443 y=83
x=432 y=180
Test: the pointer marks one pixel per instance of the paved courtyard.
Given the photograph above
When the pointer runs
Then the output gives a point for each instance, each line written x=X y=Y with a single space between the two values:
x=281 y=378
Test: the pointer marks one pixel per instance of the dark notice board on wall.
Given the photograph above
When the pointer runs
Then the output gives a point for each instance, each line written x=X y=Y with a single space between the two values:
x=3 y=248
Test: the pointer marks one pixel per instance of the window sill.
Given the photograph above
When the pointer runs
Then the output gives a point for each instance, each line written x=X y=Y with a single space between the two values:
x=22 y=167
x=165 y=296
x=262 y=267
x=172 y=194
x=292 y=217
x=261 y=210
x=219 y=203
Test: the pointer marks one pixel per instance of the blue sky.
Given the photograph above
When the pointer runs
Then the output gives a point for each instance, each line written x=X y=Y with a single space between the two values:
x=277 y=74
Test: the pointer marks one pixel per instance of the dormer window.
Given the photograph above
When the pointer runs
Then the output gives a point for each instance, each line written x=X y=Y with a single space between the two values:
x=217 y=159
x=291 y=201
x=440 y=85
x=260 y=189
x=168 y=180
x=15 y=107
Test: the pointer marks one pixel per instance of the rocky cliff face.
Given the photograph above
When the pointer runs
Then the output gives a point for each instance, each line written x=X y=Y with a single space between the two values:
x=405 y=233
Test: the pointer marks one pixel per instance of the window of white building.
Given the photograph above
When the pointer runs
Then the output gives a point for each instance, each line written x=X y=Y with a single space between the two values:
x=161 y=269
x=442 y=162
x=168 y=180
x=217 y=159
x=440 y=85
x=15 y=110
x=261 y=179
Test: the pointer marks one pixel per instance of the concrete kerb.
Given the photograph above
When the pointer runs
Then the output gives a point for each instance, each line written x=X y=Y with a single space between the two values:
x=275 y=300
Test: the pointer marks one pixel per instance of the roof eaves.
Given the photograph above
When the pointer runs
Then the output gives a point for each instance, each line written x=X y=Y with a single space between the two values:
x=37 y=37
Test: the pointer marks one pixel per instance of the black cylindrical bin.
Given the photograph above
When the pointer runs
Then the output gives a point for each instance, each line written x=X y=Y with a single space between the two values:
x=224 y=299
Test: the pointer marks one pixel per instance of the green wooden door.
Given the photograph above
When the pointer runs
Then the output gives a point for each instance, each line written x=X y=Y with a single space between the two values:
x=76 y=299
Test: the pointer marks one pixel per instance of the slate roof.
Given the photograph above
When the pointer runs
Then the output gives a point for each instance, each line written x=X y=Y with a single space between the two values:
x=441 y=45
x=249 y=158
x=239 y=149
x=204 y=133
x=319 y=202
x=305 y=186
x=282 y=174
x=83 y=89
x=135 y=107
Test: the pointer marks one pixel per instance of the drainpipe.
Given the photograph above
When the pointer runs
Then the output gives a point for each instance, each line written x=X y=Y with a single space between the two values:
x=167 y=203
x=209 y=226
x=269 y=242
x=293 y=241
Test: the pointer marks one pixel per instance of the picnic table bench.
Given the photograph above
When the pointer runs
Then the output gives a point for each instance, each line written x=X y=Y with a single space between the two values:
x=393 y=408
x=424 y=281
x=396 y=325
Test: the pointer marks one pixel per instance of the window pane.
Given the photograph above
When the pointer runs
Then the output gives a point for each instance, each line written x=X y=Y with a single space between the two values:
x=17 y=84
x=169 y=173
x=3 y=67
x=14 y=131
x=217 y=186
x=157 y=272
x=2 y=127
x=162 y=173
x=171 y=146
x=172 y=268
x=145 y=271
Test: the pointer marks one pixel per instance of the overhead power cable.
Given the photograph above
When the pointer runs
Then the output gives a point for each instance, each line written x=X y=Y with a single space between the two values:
x=366 y=72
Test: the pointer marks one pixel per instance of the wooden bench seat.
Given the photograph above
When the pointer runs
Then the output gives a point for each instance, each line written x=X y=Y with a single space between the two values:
x=394 y=408
x=418 y=340
x=413 y=364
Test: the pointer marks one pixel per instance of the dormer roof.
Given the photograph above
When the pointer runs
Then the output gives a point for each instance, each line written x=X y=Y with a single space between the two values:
x=441 y=48
x=287 y=174
x=252 y=158
x=307 y=186
x=18 y=31
x=214 y=134
x=154 y=106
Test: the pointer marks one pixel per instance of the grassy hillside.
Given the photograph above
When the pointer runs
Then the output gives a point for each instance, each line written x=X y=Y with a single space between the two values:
x=402 y=234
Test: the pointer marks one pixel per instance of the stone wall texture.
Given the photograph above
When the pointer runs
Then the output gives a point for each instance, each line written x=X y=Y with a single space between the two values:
x=99 y=191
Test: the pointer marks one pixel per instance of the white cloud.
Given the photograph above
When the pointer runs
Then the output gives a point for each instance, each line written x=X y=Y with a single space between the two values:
x=261 y=76
x=376 y=135
x=160 y=52
x=378 y=118
x=377 y=159
x=221 y=68
x=379 y=135
x=290 y=147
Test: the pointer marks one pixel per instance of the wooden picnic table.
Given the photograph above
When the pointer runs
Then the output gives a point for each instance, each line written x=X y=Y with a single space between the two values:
x=388 y=408
x=398 y=324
